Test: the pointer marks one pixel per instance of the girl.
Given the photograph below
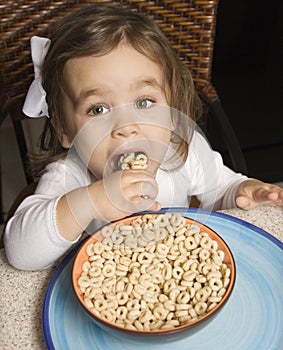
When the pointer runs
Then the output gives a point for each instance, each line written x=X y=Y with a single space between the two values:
x=115 y=89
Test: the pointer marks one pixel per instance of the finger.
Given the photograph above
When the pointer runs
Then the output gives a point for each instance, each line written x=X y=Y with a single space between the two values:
x=142 y=204
x=260 y=197
x=149 y=189
x=244 y=202
x=263 y=195
x=275 y=195
x=272 y=196
x=141 y=190
x=155 y=207
x=137 y=175
x=268 y=197
x=275 y=198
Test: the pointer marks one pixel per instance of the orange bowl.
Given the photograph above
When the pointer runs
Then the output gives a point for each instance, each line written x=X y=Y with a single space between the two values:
x=163 y=333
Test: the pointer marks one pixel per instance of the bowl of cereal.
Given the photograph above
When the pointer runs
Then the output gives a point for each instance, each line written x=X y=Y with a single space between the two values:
x=153 y=277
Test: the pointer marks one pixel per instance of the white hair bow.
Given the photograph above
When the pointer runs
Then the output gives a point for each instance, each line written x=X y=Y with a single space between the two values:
x=35 y=105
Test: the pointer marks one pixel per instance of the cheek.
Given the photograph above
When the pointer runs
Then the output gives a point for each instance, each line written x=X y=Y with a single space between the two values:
x=159 y=141
x=98 y=160
x=158 y=133
x=91 y=145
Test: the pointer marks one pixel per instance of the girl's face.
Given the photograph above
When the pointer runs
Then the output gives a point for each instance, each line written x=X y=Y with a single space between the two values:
x=115 y=104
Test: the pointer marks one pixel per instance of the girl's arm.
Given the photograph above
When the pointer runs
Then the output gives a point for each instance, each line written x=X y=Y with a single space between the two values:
x=214 y=184
x=49 y=222
x=31 y=239
x=110 y=199
x=218 y=187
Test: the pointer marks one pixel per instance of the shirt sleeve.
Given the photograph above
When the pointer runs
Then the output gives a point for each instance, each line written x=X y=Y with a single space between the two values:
x=31 y=237
x=213 y=183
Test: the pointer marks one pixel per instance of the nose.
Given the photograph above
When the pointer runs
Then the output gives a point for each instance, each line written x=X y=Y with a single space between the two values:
x=126 y=131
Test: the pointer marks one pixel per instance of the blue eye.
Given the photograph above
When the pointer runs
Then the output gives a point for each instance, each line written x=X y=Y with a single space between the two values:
x=144 y=103
x=98 y=110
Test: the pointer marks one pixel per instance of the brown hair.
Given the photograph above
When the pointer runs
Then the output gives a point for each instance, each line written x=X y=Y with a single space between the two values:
x=96 y=30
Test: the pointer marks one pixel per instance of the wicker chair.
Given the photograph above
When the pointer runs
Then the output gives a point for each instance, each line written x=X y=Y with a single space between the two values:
x=189 y=25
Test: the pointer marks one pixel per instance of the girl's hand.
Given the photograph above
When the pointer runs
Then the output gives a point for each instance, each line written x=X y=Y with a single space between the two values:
x=120 y=194
x=253 y=193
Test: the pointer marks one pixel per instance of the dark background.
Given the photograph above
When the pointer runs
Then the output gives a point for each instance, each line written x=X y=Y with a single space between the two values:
x=247 y=73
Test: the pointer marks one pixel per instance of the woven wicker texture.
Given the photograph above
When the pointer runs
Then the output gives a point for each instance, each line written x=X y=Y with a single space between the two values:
x=189 y=25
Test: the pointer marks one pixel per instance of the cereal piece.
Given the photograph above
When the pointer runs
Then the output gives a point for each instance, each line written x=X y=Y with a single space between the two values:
x=170 y=324
x=88 y=302
x=131 y=242
x=189 y=275
x=203 y=294
x=84 y=281
x=206 y=242
x=174 y=293
x=177 y=272
x=145 y=257
x=183 y=298
x=183 y=306
x=167 y=272
x=89 y=249
x=200 y=308
x=156 y=325
x=109 y=315
x=181 y=313
x=122 y=298
x=133 y=314
x=95 y=271
x=145 y=316
x=176 y=220
x=160 y=313
x=100 y=304
x=190 y=243
x=108 y=270
x=215 y=283
x=86 y=266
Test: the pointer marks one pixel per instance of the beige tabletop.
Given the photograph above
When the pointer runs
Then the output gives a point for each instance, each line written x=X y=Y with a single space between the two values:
x=22 y=292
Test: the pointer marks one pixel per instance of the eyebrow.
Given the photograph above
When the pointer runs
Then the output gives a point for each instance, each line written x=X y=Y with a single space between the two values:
x=84 y=94
x=137 y=84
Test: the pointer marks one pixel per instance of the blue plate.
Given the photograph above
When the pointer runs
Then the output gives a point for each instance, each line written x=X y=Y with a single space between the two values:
x=252 y=319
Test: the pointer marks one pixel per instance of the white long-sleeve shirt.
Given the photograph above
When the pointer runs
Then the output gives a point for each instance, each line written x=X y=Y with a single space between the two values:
x=32 y=240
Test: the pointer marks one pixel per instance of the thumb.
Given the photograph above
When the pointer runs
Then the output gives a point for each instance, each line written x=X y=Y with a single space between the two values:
x=244 y=202
x=155 y=207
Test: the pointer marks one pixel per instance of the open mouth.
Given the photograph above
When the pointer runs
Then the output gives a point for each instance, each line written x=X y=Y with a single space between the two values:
x=132 y=160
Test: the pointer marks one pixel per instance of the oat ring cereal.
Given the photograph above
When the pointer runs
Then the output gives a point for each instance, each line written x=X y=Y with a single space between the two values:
x=148 y=283
x=134 y=160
